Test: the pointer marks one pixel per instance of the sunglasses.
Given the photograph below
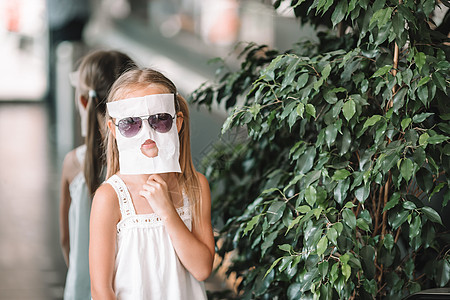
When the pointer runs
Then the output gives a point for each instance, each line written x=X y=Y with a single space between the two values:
x=131 y=126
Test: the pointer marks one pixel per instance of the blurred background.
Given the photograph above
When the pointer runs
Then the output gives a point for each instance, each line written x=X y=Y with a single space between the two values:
x=40 y=44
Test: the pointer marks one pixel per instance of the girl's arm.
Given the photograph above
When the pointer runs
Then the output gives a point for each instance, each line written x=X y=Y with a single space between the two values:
x=64 y=205
x=105 y=214
x=195 y=249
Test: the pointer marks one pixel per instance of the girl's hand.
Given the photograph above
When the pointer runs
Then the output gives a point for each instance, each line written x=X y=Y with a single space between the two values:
x=156 y=192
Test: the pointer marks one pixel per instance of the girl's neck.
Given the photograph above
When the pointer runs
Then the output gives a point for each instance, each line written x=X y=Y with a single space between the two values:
x=169 y=178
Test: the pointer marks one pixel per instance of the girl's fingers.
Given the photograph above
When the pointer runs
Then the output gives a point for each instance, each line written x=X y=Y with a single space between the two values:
x=144 y=194
x=156 y=178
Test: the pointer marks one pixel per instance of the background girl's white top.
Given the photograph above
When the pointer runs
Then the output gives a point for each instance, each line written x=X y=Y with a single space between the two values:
x=147 y=266
x=78 y=286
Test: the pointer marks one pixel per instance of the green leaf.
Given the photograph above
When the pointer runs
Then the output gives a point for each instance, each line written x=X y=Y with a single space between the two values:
x=340 y=174
x=362 y=193
x=254 y=110
x=311 y=110
x=437 y=139
x=300 y=109
x=326 y=71
x=339 y=12
x=273 y=266
x=275 y=211
x=431 y=214
x=405 y=123
x=227 y=124
x=419 y=156
x=423 y=81
x=399 y=99
x=332 y=235
x=323 y=268
x=349 y=218
x=381 y=16
x=349 y=109
x=293 y=223
x=439 y=81
x=371 y=287
x=285 y=247
x=322 y=245
x=306 y=160
x=368 y=256
x=292 y=118
x=422 y=92
x=251 y=224
x=443 y=272
x=339 y=227
x=388 y=241
x=346 y=141
x=409 y=205
x=318 y=83
x=361 y=223
x=421 y=117
x=399 y=218
x=330 y=134
x=302 y=80
x=303 y=209
x=346 y=271
x=288 y=110
x=269 y=191
x=349 y=205
x=294 y=291
x=406 y=169
x=425 y=179
x=423 y=139
x=415 y=228
x=372 y=121
x=437 y=189
x=310 y=195
x=382 y=71
x=341 y=190
x=420 y=59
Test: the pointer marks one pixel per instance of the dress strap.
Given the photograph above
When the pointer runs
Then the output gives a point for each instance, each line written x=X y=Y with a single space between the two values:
x=126 y=205
x=185 y=199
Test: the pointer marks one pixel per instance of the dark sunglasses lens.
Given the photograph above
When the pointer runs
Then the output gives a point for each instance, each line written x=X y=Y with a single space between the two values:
x=162 y=123
x=129 y=127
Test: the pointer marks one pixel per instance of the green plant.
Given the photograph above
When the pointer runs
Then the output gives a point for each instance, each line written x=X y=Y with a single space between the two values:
x=329 y=193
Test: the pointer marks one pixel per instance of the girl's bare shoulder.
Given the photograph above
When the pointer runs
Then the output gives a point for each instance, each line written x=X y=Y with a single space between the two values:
x=71 y=166
x=202 y=179
x=105 y=200
x=204 y=187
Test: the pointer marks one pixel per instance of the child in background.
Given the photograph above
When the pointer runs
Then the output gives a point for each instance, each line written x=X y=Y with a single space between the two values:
x=83 y=167
x=150 y=232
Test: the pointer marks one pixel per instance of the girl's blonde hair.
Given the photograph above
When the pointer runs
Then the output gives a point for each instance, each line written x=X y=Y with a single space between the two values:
x=97 y=72
x=143 y=78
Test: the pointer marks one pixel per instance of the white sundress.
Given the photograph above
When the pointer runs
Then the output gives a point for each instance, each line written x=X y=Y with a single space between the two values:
x=146 y=264
x=78 y=285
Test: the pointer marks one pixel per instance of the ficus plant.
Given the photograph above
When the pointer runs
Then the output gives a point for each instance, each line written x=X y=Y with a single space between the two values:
x=335 y=181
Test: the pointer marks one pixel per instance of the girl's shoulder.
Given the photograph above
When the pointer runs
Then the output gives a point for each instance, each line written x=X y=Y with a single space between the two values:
x=106 y=201
x=202 y=180
x=71 y=165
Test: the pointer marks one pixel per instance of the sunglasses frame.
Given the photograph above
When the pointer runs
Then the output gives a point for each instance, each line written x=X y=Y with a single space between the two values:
x=144 y=119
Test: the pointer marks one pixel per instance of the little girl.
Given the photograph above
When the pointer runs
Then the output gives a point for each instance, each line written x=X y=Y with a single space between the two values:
x=82 y=168
x=150 y=232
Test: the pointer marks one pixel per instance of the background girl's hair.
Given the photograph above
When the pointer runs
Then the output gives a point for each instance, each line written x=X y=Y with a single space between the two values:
x=97 y=72
x=142 y=78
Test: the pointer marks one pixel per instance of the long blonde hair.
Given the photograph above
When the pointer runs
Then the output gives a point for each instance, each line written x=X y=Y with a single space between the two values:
x=142 y=78
x=97 y=72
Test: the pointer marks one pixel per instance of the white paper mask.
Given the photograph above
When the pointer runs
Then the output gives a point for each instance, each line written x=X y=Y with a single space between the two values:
x=74 y=80
x=131 y=159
